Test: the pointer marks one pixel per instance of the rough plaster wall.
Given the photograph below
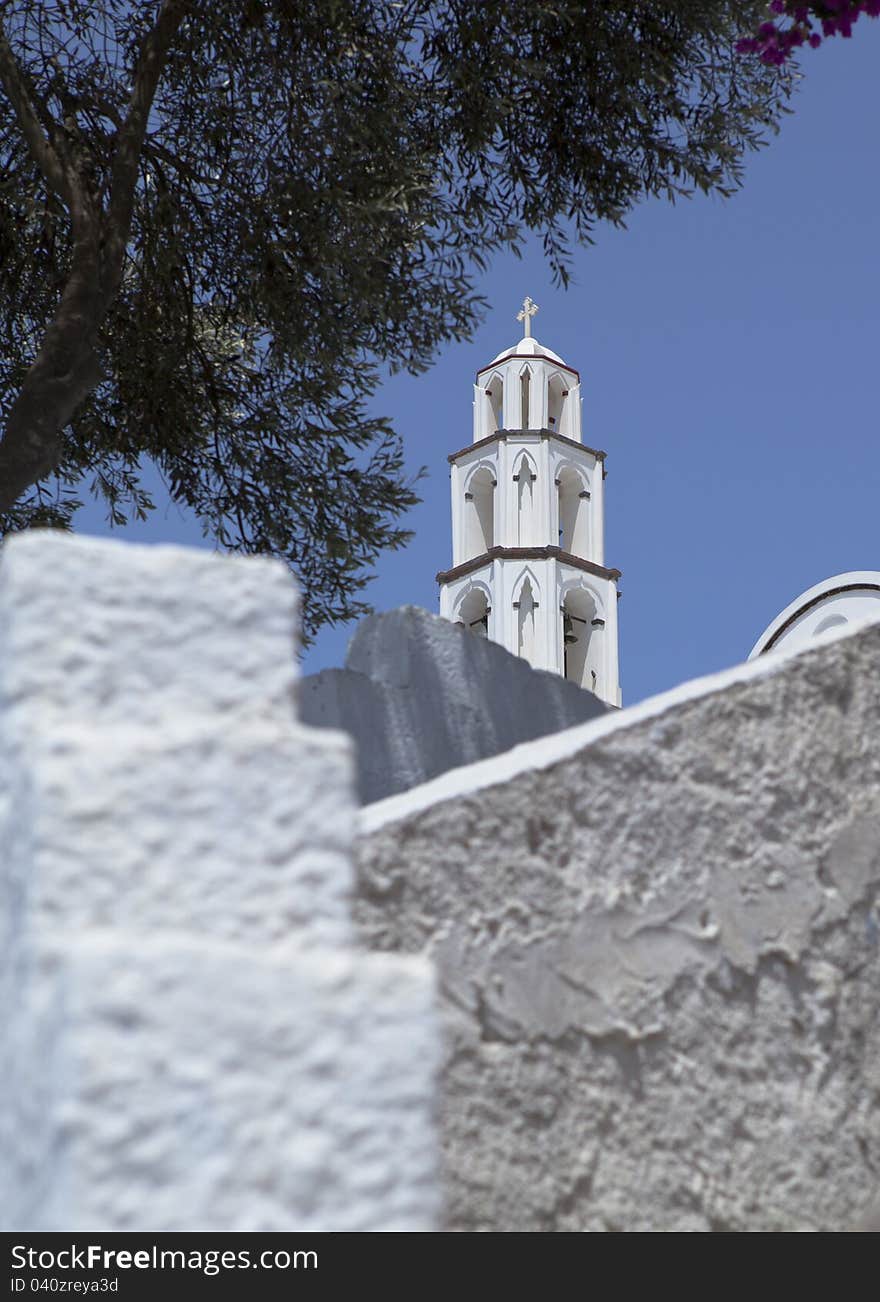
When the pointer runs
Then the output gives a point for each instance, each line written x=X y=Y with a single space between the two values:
x=150 y=764
x=141 y=634
x=190 y=1039
x=657 y=939
x=420 y=696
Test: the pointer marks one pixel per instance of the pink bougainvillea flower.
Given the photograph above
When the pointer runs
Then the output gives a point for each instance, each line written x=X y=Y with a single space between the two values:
x=774 y=43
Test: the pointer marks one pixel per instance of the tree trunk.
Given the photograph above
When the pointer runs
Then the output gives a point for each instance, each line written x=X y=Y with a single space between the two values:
x=64 y=372
x=67 y=367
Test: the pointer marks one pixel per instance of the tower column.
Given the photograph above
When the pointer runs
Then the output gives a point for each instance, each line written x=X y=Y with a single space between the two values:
x=612 y=668
x=501 y=511
x=597 y=502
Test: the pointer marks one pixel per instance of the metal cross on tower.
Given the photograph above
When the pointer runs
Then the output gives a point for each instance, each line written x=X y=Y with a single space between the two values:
x=528 y=311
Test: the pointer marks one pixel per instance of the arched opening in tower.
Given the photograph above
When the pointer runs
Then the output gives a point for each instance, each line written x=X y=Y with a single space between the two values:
x=557 y=396
x=495 y=395
x=578 y=643
x=480 y=514
x=474 y=613
x=574 y=524
x=526 y=622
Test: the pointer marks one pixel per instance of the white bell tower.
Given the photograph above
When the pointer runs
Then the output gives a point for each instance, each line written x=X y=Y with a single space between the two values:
x=528 y=567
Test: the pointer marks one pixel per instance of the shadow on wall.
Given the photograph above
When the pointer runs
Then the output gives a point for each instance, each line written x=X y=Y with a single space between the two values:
x=420 y=696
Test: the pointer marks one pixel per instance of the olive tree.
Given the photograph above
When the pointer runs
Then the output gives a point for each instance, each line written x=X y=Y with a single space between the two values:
x=223 y=221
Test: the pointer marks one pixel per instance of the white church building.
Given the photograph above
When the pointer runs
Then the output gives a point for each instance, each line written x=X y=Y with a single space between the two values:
x=528 y=564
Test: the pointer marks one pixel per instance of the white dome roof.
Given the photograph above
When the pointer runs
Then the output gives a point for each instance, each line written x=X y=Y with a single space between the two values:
x=528 y=346
x=832 y=604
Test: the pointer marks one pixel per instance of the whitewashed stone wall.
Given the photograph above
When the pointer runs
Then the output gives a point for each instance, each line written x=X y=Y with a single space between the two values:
x=191 y=1040
x=657 y=937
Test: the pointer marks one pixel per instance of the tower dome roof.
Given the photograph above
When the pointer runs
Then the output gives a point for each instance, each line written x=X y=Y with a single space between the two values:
x=528 y=346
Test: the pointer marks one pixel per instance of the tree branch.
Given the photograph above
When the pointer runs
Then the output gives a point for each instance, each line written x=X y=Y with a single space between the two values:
x=130 y=138
x=20 y=95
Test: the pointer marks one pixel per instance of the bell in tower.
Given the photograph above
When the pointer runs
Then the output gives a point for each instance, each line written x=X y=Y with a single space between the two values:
x=528 y=568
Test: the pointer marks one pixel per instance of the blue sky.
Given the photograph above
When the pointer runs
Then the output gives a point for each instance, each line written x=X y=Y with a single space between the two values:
x=729 y=362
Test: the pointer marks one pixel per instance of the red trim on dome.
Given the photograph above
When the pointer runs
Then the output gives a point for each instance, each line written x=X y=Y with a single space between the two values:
x=529 y=357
